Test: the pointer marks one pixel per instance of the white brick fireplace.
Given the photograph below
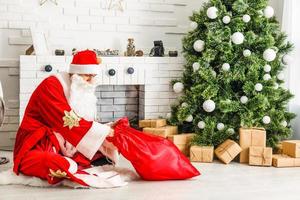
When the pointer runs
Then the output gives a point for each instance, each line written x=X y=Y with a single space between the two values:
x=146 y=92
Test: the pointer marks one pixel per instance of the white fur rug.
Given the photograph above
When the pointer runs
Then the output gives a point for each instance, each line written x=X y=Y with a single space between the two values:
x=8 y=177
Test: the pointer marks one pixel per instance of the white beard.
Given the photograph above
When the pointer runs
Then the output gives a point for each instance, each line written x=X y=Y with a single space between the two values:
x=82 y=97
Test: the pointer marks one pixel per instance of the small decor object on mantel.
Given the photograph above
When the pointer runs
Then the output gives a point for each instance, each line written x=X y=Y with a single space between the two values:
x=173 y=53
x=107 y=52
x=42 y=2
x=158 y=50
x=59 y=52
x=139 y=53
x=116 y=5
x=130 y=47
x=29 y=50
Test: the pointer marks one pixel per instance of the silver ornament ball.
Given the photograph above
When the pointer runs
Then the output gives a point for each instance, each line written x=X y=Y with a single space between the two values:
x=178 y=87
x=225 y=67
x=226 y=19
x=258 y=87
x=209 y=105
x=212 y=12
x=237 y=38
x=199 y=45
x=220 y=126
x=244 y=99
x=269 y=55
x=246 y=18
x=267 y=68
x=201 y=124
x=266 y=120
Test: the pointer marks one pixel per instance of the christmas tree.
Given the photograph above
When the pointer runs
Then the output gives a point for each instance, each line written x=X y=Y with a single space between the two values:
x=233 y=76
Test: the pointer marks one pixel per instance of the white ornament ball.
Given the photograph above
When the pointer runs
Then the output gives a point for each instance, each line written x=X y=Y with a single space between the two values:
x=226 y=67
x=269 y=55
x=201 y=124
x=193 y=25
x=230 y=131
x=214 y=73
x=226 y=19
x=184 y=104
x=284 y=123
x=267 y=68
x=247 y=53
x=266 y=120
x=246 y=18
x=189 y=118
x=276 y=85
x=244 y=99
x=220 y=126
x=212 y=12
x=268 y=12
x=196 y=66
x=258 y=87
x=237 y=38
x=199 y=45
x=267 y=77
x=178 y=87
x=287 y=59
x=209 y=105
x=280 y=76
x=169 y=115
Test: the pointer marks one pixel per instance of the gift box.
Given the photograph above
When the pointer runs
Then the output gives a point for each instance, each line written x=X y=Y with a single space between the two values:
x=201 y=153
x=162 y=131
x=260 y=156
x=291 y=148
x=251 y=137
x=152 y=123
x=182 y=141
x=282 y=160
x=227 y=151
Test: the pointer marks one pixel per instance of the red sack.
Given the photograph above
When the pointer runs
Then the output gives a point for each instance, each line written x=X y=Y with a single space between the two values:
x=153 y=157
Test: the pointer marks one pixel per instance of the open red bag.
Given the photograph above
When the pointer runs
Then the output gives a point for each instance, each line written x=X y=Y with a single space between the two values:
x=153 y=157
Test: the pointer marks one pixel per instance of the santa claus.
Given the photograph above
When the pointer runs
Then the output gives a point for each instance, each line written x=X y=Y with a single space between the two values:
x=59 y=136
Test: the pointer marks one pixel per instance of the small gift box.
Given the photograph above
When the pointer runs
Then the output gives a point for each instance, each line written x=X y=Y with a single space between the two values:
x=227 y=151
x=162 y=131
x=282 y=160
x=182 y=141
x=201 y=153
x=260 y=156
x=152 y=123
x=251 y=137
x=291 y=148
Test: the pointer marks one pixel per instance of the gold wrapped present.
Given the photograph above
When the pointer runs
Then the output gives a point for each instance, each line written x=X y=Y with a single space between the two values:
x=152 y=123
x=182 y=141
x=227 y=151
x=162 y=131
x=260 y=156
x=201 y=153
x=291 y=148
x=282 y=160
x=251 y=137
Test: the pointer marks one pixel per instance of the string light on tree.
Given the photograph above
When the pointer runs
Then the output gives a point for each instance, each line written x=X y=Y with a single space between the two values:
x=209 y=105
x=237 y=38
x=287 y=59
x=199 y=45
x=266 y=120
x=258 y=87
x=246 y=53
x=193 y=25
x=267 y=77
x=212 y=12
x=246 y=18
x=225 y=67
x=280 y=76
x=201 y=124
x=267 y=68
x=189 y=118
x=220 y=126
x=244 y=99
x=178 y=87
x=226 y=19
x=269 y=55
x=196 y=66
x=268 y=12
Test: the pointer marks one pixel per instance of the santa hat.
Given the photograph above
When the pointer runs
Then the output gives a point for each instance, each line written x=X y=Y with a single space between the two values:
x=84 y=62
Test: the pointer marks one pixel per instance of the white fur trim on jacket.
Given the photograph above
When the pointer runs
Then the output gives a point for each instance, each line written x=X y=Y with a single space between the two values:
x=84 y=69
x=93 y=139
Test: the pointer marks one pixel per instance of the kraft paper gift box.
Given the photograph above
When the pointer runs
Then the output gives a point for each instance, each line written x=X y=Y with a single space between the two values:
x=152 y=123
x=251 y=137
x=201 y=153
x=227 y=151
x=260 y=156
x=282 y=160
x=162 y=131
x=182 y=141
x=291 y=148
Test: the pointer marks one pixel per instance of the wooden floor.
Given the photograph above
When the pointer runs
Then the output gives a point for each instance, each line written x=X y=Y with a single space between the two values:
x=218 y=181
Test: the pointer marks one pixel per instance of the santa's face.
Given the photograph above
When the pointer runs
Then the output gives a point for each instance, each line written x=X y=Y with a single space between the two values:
x=82 y=96
x=87 y=77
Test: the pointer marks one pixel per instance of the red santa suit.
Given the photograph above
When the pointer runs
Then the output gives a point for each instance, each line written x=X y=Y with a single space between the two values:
x=54 y=142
